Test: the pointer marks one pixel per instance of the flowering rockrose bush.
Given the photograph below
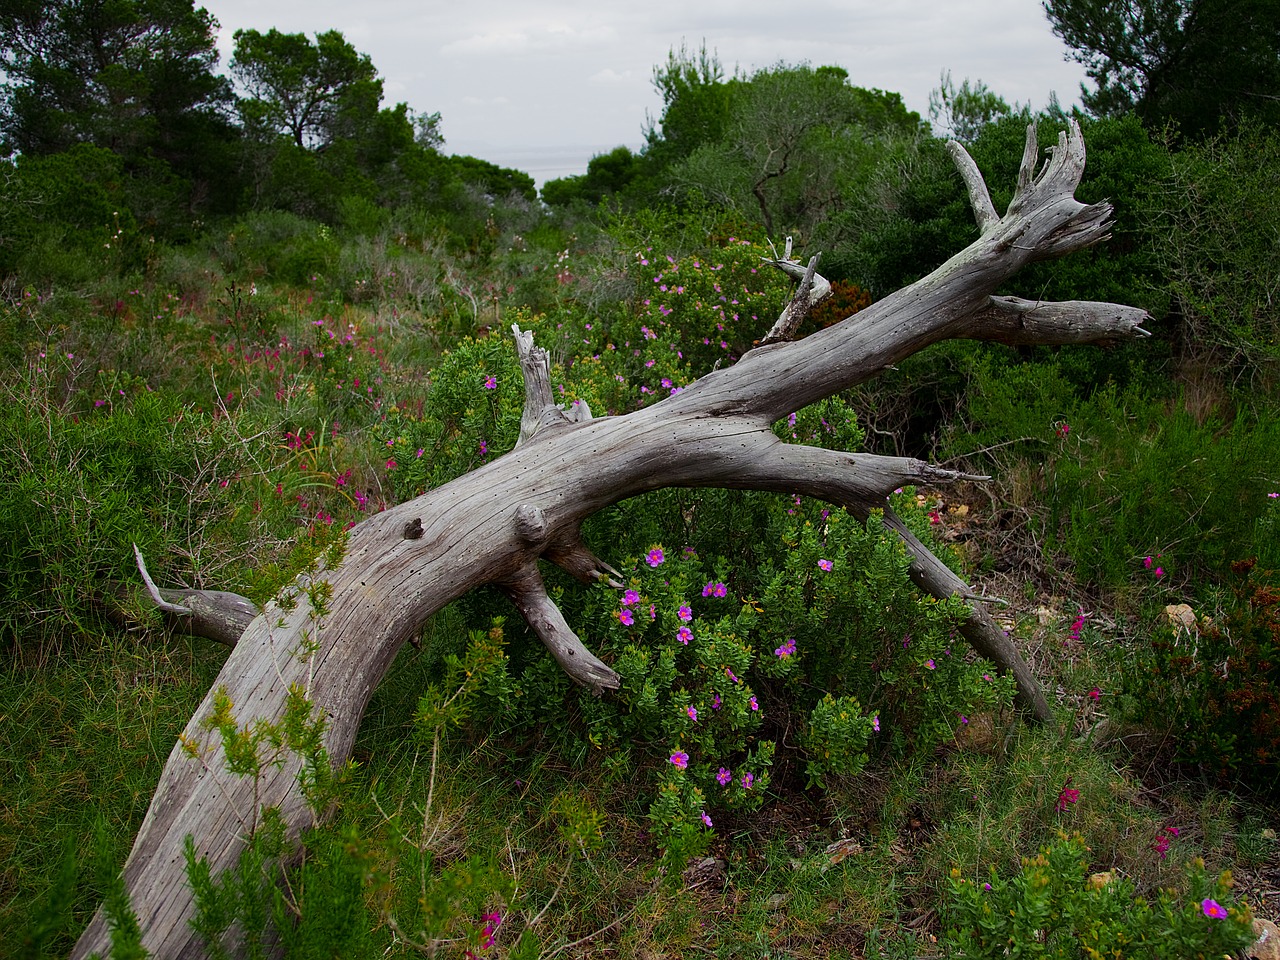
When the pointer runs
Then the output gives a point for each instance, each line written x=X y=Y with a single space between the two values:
x=689 y=315
x=833 y=641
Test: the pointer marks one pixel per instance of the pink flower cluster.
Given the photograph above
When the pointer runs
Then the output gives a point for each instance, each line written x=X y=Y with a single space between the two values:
x=1161 y=846
x=1066 y=797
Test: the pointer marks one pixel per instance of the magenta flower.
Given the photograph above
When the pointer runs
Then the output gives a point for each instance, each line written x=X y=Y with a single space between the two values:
x=1066 y=797
x=724 y=776
x=715 y=702
x=685 y=614
x=754 y=705
x=714 y=589
x=730 y=674
x=875 y=723
x=491 y=383
x=930 y=664
x=626 y=618
x=706 y=819
x=748 y=779
x=655 y=557
x=680 y=759
x=787 y=649
x=1146 y=562
x=494 y=921
x=825 y=564
x=692 y=711
x=1095 y=693
x=684 y=635
x=1212 y=909
x=630 y=597
x=1159 y=572
x=391 y=464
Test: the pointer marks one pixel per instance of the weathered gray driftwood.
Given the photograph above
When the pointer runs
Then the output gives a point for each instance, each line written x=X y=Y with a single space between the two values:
x=491 y=526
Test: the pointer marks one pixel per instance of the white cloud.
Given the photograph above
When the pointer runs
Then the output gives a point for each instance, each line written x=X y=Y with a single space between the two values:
x=487 y=44
x=610 y=76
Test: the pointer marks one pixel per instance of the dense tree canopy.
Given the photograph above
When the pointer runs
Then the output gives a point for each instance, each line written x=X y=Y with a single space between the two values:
x=302 y=89
x=133 y=76
x=781 y=147
x=1198 y=63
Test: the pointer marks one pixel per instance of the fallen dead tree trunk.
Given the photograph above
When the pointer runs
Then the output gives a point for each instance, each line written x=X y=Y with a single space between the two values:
x=336 y=634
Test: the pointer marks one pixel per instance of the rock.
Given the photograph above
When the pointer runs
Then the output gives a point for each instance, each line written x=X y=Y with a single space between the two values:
x=1267 y=946
x=1180 y=615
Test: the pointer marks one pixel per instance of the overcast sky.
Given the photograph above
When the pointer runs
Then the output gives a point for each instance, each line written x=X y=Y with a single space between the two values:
x=543 y=85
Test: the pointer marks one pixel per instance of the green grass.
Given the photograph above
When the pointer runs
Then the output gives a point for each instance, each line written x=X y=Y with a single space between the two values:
x=83 y=740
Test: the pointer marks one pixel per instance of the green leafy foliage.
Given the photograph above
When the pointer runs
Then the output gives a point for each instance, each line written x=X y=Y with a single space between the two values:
x=1195 y=64
x=83 y=489
x=1213 y=686
x=1050 y=909
x=135 y=77
x=1122 y=477
x=1212 y=222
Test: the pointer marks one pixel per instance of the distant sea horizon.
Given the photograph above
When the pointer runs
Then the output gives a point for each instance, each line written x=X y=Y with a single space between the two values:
x=540 y=162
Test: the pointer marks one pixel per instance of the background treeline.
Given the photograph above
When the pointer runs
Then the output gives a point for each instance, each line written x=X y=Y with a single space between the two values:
x=238 y=314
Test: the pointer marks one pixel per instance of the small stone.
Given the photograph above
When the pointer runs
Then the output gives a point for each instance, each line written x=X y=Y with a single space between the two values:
x=1267 y=944
x=1180 y=615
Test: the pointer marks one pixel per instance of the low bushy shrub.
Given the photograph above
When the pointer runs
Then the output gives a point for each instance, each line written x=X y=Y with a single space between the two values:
x=1054 y=909
x=1215 y=686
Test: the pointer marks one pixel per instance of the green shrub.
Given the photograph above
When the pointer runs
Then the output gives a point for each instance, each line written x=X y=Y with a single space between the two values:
x=84 y=482
x=1212 y=219
x=1121 y=477
x=277 y=245
x=1215 y=687
x=1053 y=910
